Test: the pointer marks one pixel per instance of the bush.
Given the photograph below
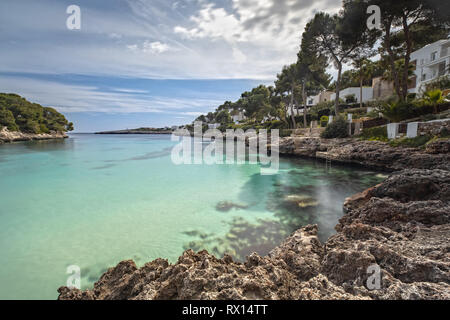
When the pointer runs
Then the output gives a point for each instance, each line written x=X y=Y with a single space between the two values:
x=337 y=129
x=416 y=142
x=398 y=110
x=375 y=134
x=350 y=98
x=285 y=133
x=324 y=121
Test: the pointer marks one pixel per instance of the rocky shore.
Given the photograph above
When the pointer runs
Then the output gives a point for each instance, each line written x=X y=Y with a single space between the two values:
x=401 y=227
x=16 y=136
x=373 y=154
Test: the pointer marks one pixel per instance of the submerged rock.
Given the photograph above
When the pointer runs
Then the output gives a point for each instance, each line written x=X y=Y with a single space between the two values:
x=403 y=232
x=301 y=200
x=225 y=206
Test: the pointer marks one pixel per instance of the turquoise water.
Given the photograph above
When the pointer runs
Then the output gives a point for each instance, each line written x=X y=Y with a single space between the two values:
x=93 y=201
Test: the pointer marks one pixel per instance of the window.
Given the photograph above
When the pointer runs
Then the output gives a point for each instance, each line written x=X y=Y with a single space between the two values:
x=434 y=56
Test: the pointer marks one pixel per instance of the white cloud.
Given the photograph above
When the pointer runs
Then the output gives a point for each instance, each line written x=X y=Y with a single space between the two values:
x=186 y=39
x=154 y=47
x=75 y=98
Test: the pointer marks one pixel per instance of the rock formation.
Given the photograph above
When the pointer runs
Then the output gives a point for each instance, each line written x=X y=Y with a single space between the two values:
x=16 y=136
x=373 y=154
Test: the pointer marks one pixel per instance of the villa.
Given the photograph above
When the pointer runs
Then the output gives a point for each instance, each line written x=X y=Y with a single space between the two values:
x=238 y=117
x=367 y=94
x=432 y=61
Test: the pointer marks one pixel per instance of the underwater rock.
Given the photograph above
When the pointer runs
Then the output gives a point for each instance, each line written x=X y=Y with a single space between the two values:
x=225 y=206
x=301 y=200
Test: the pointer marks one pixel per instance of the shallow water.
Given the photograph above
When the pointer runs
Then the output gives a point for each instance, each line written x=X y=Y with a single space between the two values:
x=93 y=201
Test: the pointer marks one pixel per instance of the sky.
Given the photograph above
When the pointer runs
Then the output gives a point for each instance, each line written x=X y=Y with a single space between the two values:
x=146 y=63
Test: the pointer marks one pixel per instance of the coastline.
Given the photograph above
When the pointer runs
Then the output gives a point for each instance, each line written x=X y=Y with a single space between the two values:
x=404 y=231
x=7 y=136
x=134 y=132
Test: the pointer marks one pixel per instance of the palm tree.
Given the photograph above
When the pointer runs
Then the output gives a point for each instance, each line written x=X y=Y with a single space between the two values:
x=366 y=69
x=434 y=97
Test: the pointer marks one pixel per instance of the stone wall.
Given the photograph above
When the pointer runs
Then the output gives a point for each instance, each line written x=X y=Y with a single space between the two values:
x=433 y=127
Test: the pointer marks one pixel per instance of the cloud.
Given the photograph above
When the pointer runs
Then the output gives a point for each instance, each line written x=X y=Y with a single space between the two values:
x=155 y=47
x=186 y=39
x=82 y=98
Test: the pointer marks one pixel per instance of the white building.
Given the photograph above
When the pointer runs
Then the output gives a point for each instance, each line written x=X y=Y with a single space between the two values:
x=213 y=126
x=432 y=61
x=238 y=117
x=367 y=94
x=324 y=96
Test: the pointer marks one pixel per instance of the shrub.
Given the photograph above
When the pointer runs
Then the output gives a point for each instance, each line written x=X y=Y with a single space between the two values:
x=337 y=129
x=324 y=121
x=416 y=142
x=285 y=133
x=350 y=98
x=375 y=134
x=441 y=83
x=398 y=111
x=434 y=97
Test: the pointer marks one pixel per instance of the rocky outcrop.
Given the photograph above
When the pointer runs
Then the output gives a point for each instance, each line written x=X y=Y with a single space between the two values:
x=392 y=243
x=374 y=154
x=16 y=136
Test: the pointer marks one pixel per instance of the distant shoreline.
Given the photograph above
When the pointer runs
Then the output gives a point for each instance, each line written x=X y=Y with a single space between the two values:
x=136 y=132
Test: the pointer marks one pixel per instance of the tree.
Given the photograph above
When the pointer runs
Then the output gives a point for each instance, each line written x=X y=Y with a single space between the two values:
x=434 y=97
x=223 y=117
x=339 y=37
x=30 y=117
x=402 y=17
x=311 y=70
x=7 y=120
x=286 y=84
x=365 y=71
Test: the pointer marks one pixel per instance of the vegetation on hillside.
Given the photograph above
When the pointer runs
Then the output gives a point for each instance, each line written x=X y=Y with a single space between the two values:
x=344 y=39
x=18 y=114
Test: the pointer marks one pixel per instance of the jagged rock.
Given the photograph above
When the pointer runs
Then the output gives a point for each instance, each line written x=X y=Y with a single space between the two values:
x=374 y=154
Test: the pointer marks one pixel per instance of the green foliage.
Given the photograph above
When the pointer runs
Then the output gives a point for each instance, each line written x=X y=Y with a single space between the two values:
x=16 y=114
x=434 y=97
x=441 y=83
x=432 y=102
x=337 y=129
x=223 y=117
x=350 y=98
x=7 y=120
x=285 y=133
x=324 y=121
x=416 y=142
x=375 y=134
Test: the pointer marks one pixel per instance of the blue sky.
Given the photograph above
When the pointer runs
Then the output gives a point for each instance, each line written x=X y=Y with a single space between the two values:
x=146 y=62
